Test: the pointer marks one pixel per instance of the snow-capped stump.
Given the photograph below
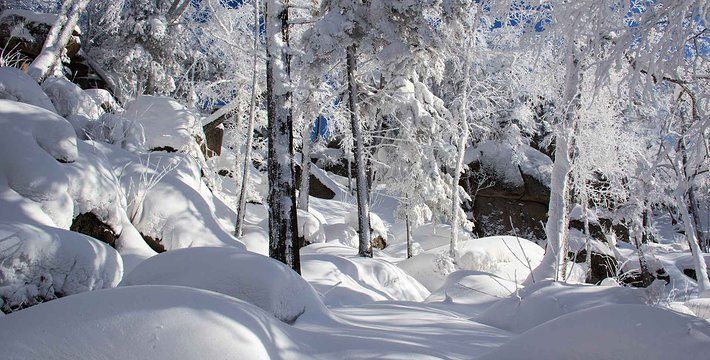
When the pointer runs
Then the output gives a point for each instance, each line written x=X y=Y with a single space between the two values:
x=378 y=230
x=547 y=300
x=612 y=332
x=74 y=104
x=310 y=227
x=256 y=279
x=146 y=322
x=40 y=263
x=166 y=125
x=18 y=86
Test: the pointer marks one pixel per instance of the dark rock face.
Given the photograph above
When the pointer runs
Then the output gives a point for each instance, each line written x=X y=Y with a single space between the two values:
x=214 y=136
x=496 y=206
x=31 y=45
x=154 y=244
x=602 y=265
x=316 y=188
x=89 y=224
x=169 y=149
x=378 y=243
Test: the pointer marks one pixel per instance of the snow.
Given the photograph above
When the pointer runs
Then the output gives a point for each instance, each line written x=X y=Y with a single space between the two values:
x=104 y=99
x=39 y=263
x=507 y=163
x=310 y=226
x=503 y=256
x=612 y=332
x=471 y=292
x=256 y=279
x=18 y=86
x=165 y=123
x=165 y=322
x=73 y=104
x=547 y=300
x=343 y=278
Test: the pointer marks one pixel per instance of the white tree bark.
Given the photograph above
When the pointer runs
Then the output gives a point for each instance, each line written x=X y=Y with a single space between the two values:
x=455 y=196
x=557 y=222
x=57 y=39
x=283 y=228
x=241 y=209
x=363 y=206
x=304 y=192
x=701 y=273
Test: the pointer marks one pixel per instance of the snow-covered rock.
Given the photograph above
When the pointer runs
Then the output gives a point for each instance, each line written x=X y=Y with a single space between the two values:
x=145 y=322
x=547 y=300
x=104 y=100
x=377 y=228
x=73 y=104
x=256 y=279
x=507 y=257
x=18 y=86
x=612 y=332
x=39 y=263
x=310 y=226
x=343 y=278
x=700 y=307
x=475 y=291
x=165 y=123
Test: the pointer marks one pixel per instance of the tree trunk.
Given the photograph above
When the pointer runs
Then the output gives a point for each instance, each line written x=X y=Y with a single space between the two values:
x=305 y=169
x=701 y=272
x=57 y=39
x=557 y=222
x=409 y=236
x=250 y=130
x=363 y=207
x=283 y=228
x=455 y=198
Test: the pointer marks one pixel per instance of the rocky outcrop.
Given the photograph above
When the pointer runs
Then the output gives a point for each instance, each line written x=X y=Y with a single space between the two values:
x=89 y=224
x=316 y=188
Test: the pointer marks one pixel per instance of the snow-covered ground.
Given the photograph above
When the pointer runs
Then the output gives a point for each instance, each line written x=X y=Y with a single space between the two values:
x=213 y=295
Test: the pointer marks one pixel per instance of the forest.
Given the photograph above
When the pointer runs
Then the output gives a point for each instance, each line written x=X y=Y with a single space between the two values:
x=354 y=179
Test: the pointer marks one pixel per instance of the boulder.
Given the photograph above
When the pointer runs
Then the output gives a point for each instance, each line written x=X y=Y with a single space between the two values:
x=316 y=188
x=602 y=265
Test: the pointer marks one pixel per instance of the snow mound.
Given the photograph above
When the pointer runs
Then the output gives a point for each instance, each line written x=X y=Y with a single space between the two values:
x=39 y=263
x=474 y=290
x=144 y=322
x=377 y=226
x=506 y=257
x=253 y=278
x=165 y=124
x=39 y=141
x=104 y=99
x=73 y=103
x=547 y=300
x=170 y=203
x=343 y=278
x=18 y=86
x=612 y=332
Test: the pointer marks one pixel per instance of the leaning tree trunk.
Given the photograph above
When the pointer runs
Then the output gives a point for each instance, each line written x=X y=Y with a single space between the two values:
x=57 y=39
x=283 y=229
x=557 y=222
x=701 y=272
x=250 y=130
x=363 y=211
x=304 y=193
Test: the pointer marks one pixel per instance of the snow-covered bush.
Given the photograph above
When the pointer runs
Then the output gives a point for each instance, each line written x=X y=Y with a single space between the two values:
x=40 y=263
x=256 y=279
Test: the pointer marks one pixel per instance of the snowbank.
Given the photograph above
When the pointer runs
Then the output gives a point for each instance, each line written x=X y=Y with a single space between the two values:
x=256 y=279
x=343 y=278
x=547 y=300
x=18 y=86
x=144 y=322
x=612 y=332
x=504 y=256
x=39 y=263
